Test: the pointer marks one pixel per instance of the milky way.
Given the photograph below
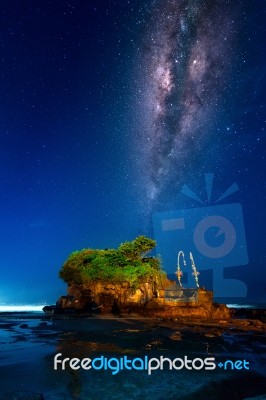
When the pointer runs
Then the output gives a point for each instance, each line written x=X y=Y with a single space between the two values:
x=183 y=72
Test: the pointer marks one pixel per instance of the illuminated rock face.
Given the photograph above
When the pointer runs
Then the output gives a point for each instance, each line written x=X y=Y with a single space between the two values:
x=170 y=302
x=104 y=295
x=199 y=306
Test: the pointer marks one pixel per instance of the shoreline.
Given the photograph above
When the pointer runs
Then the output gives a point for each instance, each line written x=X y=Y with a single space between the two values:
x=104 y=321
x=32 y=340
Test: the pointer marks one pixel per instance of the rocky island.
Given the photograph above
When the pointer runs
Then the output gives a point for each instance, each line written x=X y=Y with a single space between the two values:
x=125 y=280
x=159 y=318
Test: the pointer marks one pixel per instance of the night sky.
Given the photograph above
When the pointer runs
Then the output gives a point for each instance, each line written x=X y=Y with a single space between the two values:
x=108 y=108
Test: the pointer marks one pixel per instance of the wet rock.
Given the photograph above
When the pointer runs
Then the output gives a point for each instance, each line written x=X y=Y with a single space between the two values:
x=153 y=345
x=213 y=334
x=176 y=336
x=258 y=324
x=24 y=326
x=22 y=395
x=209 y=335
x=43 y=324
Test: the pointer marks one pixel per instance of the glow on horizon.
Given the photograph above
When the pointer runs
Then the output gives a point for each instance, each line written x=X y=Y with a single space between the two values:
x=21 y=308
x=240 y=305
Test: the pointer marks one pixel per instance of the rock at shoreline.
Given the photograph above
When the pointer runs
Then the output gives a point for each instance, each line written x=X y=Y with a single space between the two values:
x=123 y=281
x=120 y=300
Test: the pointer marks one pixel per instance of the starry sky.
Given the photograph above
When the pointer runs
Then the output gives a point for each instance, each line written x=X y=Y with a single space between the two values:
x=108 y=108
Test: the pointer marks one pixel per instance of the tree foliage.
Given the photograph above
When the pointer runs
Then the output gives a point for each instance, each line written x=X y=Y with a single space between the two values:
x=123 y=265
x=138 y=248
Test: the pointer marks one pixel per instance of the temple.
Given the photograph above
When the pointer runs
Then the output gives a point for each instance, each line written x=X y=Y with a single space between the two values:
x=124 y=282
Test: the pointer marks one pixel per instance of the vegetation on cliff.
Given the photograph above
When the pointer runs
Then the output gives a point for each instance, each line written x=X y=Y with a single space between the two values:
x=127 y=264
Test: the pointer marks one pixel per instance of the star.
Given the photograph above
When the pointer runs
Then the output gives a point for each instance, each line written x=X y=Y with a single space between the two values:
x=182 y=73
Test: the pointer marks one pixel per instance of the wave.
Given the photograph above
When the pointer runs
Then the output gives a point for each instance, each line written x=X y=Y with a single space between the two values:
x=260 y=306
x=21 y=308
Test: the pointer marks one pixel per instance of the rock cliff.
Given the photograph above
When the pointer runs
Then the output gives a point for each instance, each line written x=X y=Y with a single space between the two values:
x=145 y=301
x=125 y=280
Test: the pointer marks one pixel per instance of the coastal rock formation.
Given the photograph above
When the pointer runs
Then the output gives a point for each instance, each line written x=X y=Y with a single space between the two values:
x=104 y=296
x=202 y=307
x=125 y=280
x=119 y=299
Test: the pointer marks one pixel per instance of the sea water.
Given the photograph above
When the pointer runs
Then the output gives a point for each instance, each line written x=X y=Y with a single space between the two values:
x=28 y=344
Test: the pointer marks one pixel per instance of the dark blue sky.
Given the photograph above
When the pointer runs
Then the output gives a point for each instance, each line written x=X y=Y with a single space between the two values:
x=81 y=155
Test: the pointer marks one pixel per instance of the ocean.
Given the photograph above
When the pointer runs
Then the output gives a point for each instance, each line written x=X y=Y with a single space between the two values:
x=29 y=343
x=21 y=308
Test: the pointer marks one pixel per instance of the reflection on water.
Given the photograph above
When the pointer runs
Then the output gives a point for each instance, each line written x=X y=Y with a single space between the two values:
x=28 y=347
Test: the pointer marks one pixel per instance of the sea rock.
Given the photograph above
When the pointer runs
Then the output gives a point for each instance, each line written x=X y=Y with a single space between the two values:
x=209 y=335
x=176 y=336
x=169 y=302
x=43 y=324
x=24 y=326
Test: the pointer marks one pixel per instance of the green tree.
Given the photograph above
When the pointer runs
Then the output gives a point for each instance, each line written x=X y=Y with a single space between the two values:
x=125 y=264
x=138 y=248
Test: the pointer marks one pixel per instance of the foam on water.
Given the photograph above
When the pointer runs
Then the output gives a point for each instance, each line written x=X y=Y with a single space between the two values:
x=21 y=308
x=249 y=306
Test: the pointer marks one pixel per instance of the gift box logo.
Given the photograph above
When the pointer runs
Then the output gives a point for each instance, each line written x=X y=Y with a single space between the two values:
x=215 y=234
